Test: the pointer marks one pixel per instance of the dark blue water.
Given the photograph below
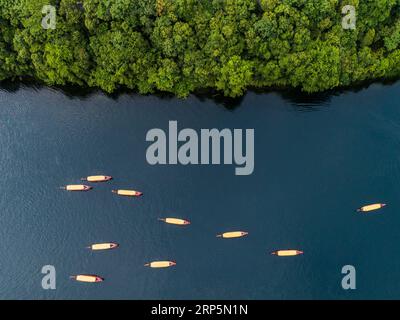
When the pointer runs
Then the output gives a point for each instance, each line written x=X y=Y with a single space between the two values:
x=315 y=163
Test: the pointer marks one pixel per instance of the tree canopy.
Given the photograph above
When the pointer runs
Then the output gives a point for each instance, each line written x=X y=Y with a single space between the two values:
x=180 y=46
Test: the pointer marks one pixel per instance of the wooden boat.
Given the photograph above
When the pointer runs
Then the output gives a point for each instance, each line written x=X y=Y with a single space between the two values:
x=77 y=187
x=180 y=222
x=160 y=264
x=371 y=207
x=128 y=193
x=97 y=178
x=287 y=253
x=103 y=246
x=87 y=278
x=233 y=234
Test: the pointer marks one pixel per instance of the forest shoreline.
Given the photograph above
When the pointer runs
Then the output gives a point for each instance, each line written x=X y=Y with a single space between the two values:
x=185 y=46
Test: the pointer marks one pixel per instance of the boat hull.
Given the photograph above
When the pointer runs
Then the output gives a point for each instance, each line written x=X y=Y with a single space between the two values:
x=176 y=221
x=87 y=278
x=371 y=207
x=77 y=187
x=128 y=193
x=287 y=253
x=160 y=264
x=97 y=178
x=103 y=246
x=233 y=234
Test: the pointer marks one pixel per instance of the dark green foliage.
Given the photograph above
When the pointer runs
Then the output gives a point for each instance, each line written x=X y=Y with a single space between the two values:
x=180 y=46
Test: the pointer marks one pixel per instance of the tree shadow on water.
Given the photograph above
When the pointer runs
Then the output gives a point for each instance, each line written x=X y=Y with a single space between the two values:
x=299 y=100
x=302 y=101
x=306 y=102
x=13 y=86
x=219 y=99
x=72 y=92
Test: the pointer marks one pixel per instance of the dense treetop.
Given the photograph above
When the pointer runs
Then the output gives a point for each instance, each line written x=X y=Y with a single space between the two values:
x=180 y=46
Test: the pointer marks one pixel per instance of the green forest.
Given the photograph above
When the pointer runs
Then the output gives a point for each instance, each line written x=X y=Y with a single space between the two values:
x=183 y=46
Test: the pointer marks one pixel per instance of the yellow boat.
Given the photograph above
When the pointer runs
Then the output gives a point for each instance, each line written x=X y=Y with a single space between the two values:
x=233 y=234
x=76 y=187
x=371 y=207
x=87 y=278
x=160 y=264
x=287 y=253
x=128 y=193
x=97 y=178
x=176 y=221
x=103 y=246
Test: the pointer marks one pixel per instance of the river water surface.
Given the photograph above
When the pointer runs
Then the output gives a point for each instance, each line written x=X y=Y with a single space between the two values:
x=316 y=161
